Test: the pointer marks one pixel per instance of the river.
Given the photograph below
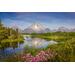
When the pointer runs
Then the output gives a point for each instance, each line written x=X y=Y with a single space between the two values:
x=18 y=48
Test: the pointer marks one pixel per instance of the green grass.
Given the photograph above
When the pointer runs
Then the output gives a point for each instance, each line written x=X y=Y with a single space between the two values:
x=65 y=51
x=57 y=36
x=12 y=40
x=32 y=50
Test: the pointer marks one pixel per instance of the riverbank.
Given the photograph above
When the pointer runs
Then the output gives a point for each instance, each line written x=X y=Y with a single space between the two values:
x=12 y=40
x=57 y=36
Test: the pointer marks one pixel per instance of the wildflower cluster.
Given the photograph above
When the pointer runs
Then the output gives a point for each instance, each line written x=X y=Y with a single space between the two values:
x=42 y=56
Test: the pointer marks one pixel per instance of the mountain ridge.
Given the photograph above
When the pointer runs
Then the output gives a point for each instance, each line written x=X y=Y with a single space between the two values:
x=36 y=28
x=39 y=28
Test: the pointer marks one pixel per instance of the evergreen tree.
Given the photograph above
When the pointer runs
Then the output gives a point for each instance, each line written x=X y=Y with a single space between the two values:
x=1 y=23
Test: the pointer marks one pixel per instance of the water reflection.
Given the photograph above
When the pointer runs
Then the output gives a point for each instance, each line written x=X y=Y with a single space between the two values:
x=32 y=42
x=38 y=43
x=9 y=49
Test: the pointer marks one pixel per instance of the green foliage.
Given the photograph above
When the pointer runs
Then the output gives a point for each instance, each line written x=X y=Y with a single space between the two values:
x=31 y=50
x=9 y=35
x=65 y=51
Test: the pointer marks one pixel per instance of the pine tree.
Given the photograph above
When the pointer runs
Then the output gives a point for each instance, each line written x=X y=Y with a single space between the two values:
x=1 y=23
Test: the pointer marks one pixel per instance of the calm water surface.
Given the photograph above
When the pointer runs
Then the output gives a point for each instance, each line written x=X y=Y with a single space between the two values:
x=19 y=48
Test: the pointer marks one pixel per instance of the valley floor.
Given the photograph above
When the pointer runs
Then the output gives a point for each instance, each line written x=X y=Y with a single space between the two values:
x=64 y=51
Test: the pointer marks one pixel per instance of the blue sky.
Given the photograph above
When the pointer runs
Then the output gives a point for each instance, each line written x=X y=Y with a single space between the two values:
x=51 y=20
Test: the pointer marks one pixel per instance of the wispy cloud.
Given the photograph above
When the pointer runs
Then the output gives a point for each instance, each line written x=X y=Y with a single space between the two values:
x=52 y=20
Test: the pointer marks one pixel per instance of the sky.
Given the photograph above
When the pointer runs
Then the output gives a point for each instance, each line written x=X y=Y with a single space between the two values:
x=51 y=20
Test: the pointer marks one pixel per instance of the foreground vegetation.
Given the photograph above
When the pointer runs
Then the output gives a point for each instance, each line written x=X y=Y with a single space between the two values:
x=64 y=51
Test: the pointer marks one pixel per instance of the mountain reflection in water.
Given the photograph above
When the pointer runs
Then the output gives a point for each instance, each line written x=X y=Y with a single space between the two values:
x=38 y=43
x=19 y=48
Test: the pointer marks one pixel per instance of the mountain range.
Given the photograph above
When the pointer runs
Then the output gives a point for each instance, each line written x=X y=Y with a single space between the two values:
x=64 y=29
x=38 y=28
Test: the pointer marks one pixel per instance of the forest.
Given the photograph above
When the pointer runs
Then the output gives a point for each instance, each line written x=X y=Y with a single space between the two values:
x=9 y=35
